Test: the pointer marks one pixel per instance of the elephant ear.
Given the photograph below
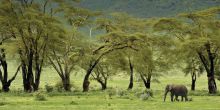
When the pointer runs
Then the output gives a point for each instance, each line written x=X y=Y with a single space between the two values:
x=170 y=87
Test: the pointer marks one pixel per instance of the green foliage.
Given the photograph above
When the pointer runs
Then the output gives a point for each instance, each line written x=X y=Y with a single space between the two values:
x=40 y=96
x=192 y=32
x=49 y=88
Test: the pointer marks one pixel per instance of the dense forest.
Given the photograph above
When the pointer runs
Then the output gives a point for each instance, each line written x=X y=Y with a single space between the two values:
x=143 y=39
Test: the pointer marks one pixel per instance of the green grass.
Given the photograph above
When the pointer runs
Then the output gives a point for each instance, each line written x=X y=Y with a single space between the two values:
x=96 y=99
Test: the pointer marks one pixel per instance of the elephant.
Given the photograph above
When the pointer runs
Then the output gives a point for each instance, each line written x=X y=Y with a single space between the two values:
x=176 y=90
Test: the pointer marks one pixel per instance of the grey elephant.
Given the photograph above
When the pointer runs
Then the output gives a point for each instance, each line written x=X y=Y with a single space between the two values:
x=176 y=90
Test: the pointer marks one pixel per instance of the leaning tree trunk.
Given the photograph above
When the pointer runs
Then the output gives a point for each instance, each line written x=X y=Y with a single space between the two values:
x=130 y=86
x=86 y=80
x=193 y=85
x=88 y=73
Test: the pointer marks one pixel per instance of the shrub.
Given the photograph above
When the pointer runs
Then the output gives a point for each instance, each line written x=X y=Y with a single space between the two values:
x=40 y=97
x=144 y=96
x=120 y=92
x=111 y=92
x=2 y=103
x=73 y=103
x=48 y=88
x=59 y=87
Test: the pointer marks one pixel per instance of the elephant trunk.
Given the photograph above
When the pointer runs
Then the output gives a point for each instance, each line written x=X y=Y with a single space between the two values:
x=165 y=94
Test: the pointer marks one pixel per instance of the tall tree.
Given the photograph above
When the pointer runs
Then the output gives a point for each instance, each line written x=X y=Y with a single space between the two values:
x=65 y=56
x=199 y=33
x=105 y=69
x=6 y=35
x=35 y=26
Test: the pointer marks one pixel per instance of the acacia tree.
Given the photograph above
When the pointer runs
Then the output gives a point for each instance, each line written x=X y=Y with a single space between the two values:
x=200 y=36
x=113 y=39
x=195 y=69
x=111 y=44
x=35 y=27
x=6 y=34
x=105 y=69
x=127 y=24
x=4 y=75
x=144 y=66
x=64 y=57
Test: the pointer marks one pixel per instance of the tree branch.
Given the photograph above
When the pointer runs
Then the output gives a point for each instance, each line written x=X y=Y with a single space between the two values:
x=13 y=78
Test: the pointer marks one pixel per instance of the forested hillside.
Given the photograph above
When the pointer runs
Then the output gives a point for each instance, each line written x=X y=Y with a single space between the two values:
x=149 y=8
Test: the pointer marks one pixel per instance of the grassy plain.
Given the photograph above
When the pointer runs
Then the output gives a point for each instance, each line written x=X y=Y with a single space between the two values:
x=100 y=100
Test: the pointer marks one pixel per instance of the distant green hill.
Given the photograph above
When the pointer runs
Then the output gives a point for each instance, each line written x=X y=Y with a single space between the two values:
x=148 y=8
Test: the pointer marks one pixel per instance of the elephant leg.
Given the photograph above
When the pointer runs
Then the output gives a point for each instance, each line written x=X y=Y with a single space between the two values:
x=181 y=98
x=186 y=99
x=172 y=95
x=176 y=98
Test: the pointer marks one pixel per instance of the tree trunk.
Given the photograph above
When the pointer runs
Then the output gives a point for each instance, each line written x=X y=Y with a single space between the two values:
x=211 y=78
x=209 y=65
x=86 y=81
x=193 y=85
x=5 y=87
x=148 y=82
x=66 y=83
x=37 y=72
x=212 y=85
x=130 y=86
x=24 y=76
x=4 y=77
x=103 y=84
x=88 y=73
x=30 y=76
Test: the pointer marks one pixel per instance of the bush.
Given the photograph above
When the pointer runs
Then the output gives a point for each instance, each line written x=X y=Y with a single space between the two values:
x=73 y=103
x=59 y=87
x=144 y=94
x=49 y=88
x=111 y=92
x=40 y=97
x=120 y=92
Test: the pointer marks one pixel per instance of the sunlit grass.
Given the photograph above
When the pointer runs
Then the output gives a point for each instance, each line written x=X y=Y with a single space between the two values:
x=96 y=99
